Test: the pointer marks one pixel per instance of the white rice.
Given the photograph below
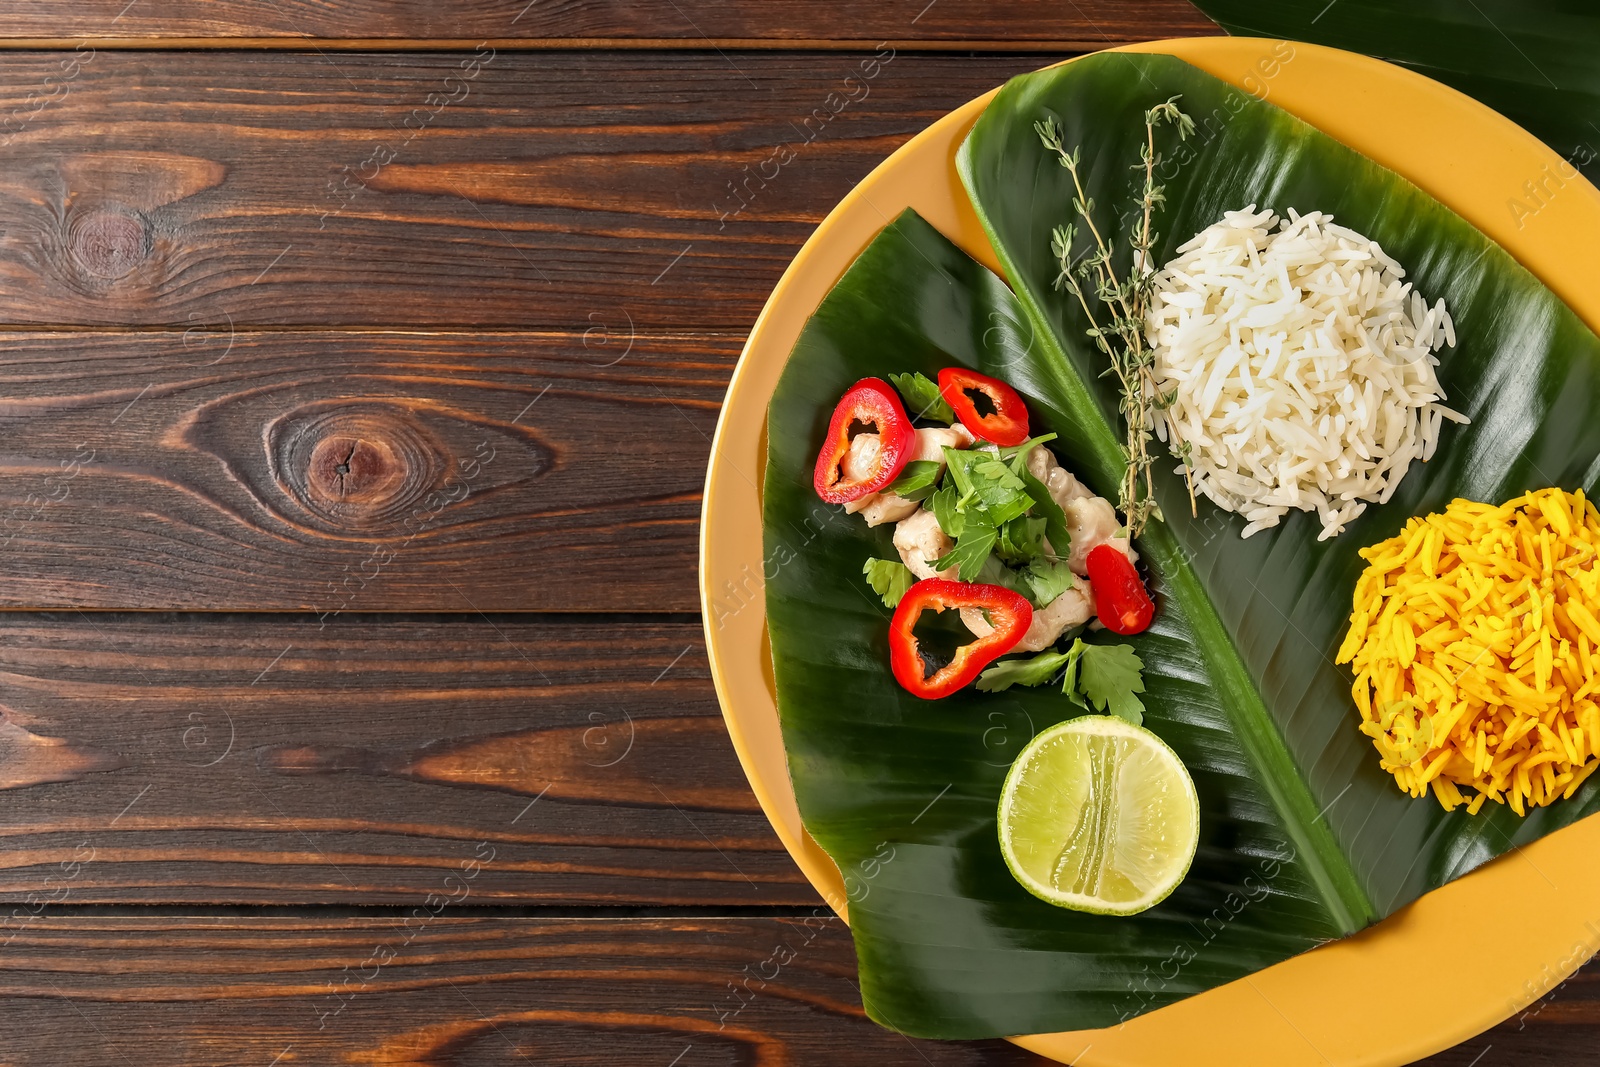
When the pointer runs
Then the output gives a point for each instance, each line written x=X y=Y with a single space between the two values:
x=1302 y=364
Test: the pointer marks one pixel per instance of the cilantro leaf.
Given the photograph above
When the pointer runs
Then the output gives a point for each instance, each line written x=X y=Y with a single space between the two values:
x=971 y=552
x=1035 y=670
x=945 y=512
x=996 y=573
x=1020 y=452
x=918 y=479
x=1046 y=580
x=889 y=578
x=986 y=484
x=922 y=397
x=1045 y=506
x=1110 y=675
x=1069 y=681
x=1021 y=539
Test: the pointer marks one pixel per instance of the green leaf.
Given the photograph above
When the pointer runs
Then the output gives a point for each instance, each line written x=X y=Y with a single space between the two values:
x=1268 y=612
x=922 y=397
x=1047 y=579
x=1045 y=506
x=996 y=573
x=1035 y=670
x=1069 y=681
x=1238 y=670
x=943 y=504
x=1109 y=676
x=1021 y=539
x=1019 y=453
x=917 y=480
x=972 y=550
x=866 y=757
x=1530 y=60
x=987 y=485
x=889 y=578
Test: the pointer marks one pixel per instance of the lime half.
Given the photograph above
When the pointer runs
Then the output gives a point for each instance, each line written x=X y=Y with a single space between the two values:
x=1099 y=815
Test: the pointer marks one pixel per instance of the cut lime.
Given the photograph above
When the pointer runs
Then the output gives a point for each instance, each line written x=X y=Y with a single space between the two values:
x=1099 y=815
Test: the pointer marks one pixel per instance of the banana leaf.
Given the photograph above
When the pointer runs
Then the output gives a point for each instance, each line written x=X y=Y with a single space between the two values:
x=1303 y=837
x=1531 y=60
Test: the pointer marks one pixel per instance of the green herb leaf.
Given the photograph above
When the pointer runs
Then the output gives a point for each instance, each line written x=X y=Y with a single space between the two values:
x=1035 y=670
x=1046 y=580
x=1021 y=539
x=1069 y=681
x=1110 y=676
x=972 y=550
x=943 y=504
x=889 y=578
x=1045 y=506
x=1020 y=452
x=918 y=479
x=996 y=573
x=986 y=484
x=922 y=398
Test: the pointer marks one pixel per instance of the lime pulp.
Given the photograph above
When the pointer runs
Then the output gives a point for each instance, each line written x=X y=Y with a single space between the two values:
x=1099 y=815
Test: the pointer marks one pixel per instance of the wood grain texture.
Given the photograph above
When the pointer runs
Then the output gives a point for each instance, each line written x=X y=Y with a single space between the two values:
x=688 y=21
x=577 y=761
x=447 y=991
x=564 y=190
x=344 y=471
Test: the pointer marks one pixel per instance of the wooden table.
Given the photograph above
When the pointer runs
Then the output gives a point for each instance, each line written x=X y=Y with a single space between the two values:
x=360 y=368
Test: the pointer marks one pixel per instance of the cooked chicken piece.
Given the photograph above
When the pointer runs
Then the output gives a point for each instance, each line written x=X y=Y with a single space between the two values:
x=1091 y=520
x=879 y=508
x=861 y=458
x=932 y=441
x=1072 y=608
x=1056 y=478
x=919 y=541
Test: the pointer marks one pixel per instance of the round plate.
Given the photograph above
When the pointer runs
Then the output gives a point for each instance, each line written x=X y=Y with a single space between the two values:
x=1368 y=999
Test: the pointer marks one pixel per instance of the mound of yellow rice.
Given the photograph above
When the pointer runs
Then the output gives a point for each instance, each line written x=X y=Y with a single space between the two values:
x=1474 y=638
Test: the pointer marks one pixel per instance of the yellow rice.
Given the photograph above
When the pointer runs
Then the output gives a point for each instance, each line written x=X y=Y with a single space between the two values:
x=1474 y=637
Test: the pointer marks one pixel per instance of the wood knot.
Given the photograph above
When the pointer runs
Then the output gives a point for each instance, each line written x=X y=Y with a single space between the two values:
x=359 y=465
x=109 y=243
x=352 y=470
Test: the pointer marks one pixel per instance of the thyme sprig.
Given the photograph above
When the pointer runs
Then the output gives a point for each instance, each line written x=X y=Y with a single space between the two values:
x=1127 y=303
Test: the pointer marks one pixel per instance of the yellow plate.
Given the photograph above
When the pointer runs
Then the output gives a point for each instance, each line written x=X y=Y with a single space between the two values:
x=1449 y=966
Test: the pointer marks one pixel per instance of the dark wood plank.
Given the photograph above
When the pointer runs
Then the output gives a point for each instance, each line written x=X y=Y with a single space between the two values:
x=229 y=759
x=563 y=190
x=446 y=990
x=330 y=471
x=689 y=21
x=451 y=989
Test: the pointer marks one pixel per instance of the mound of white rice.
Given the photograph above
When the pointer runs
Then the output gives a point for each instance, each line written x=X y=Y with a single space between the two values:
x=1302 y=364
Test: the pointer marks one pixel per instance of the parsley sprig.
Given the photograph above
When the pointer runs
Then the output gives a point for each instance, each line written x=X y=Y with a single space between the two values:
x=998 y=513
x=1108 y=677
x=922 y=397
x=1126 y=301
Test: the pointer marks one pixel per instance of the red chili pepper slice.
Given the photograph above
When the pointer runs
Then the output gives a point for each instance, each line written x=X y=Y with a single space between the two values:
x=870 y=401
x=1120 y=599
x=1009 y=613
x=1006 y=425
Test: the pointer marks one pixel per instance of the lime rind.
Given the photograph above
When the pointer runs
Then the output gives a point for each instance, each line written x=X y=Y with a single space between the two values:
x=1099 y=815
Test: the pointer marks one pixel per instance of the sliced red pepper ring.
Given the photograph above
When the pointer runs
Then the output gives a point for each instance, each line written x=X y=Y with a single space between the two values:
x=1120 y=599
x=872 y=402
x=1009 y=613
x=1005 y=425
